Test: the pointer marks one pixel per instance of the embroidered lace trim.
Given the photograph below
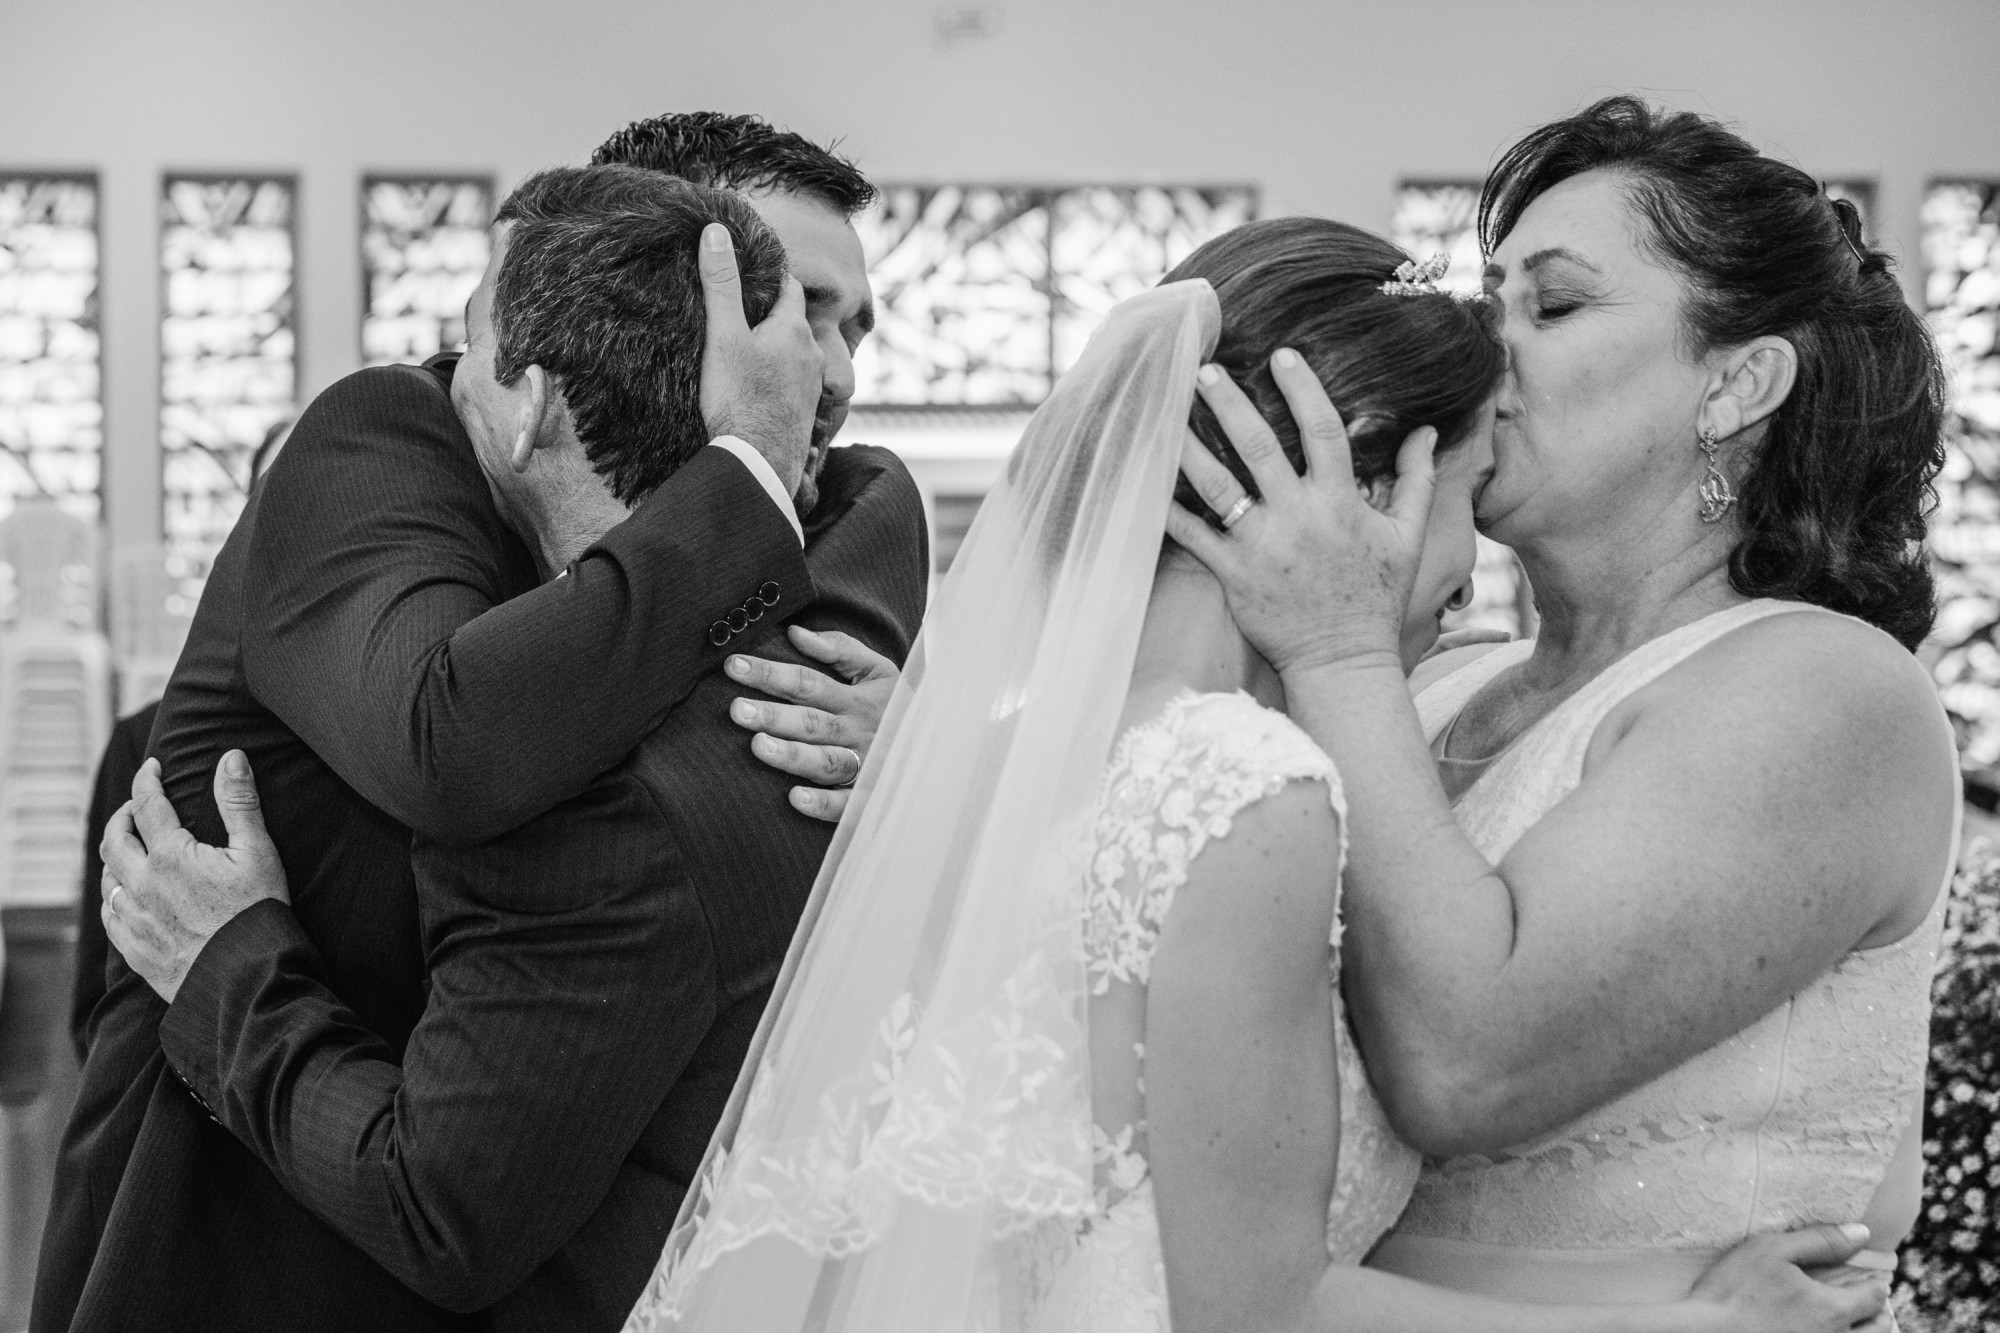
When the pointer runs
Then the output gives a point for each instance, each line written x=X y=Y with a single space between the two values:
x=968 y=1117
x=1175 y=784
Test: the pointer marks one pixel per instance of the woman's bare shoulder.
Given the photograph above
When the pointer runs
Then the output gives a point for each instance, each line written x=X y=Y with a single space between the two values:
x=1819 y=665
x=1802 y=688
x=1830 y=728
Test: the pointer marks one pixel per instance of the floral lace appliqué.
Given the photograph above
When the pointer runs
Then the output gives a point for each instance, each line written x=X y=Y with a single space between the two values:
x=982 y=1110
x=1174 y=785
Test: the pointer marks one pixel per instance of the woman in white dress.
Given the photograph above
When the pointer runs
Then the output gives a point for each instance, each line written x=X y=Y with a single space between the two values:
x=1059 y=1047
x=1641 y=915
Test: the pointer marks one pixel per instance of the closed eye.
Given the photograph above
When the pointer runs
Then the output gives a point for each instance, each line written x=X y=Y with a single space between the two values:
x=1554 y=303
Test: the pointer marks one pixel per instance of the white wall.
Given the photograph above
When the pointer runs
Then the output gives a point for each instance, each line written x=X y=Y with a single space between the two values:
x=1325 y=104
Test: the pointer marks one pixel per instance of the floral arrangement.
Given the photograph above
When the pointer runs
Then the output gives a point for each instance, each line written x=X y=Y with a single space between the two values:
x=1950 y=1276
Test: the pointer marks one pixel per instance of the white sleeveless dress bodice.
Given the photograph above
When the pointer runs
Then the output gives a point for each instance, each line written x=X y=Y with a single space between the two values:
x=1174 y=786
x=1791 y=1121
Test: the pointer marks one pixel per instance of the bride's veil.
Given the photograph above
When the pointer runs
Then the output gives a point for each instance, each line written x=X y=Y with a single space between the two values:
x=913 y=1128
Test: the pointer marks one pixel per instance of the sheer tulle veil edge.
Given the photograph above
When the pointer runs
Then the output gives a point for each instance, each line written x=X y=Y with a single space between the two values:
x=910 y=1141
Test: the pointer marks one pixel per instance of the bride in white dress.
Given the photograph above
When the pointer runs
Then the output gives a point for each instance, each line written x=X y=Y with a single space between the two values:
x=1060 y=1046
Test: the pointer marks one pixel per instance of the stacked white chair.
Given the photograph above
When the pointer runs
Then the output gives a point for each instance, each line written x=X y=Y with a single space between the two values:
x=55 y=701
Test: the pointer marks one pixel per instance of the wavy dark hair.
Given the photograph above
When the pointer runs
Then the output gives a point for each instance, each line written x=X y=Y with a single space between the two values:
x=1389 y=363
x=1834 y=499
x=600 y=287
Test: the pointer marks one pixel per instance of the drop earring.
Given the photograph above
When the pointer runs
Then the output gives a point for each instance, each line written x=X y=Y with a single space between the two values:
x=1717 y=498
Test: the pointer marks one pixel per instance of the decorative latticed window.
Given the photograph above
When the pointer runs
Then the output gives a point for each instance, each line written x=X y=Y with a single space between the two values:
x=1961 y=256
x=424 y=245
x=51 y=402
x=1107 y=244
x=228 y=369
x=1434 y=217
x=985 y=294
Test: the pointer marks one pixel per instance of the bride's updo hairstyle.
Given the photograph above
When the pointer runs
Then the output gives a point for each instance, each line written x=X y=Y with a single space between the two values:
x=1834 y=496
x=1389 y=363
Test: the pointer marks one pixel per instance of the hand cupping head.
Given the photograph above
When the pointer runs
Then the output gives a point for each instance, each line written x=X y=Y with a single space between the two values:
x=809 y=195
x=598 y=284
x=1390 y=362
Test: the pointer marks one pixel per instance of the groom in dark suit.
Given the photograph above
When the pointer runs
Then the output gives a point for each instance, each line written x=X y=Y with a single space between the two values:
x=187 y=1228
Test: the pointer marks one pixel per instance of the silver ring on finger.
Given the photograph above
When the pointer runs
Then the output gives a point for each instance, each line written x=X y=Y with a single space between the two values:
x=857 y=769
x=111 y=899
x=1237 y=511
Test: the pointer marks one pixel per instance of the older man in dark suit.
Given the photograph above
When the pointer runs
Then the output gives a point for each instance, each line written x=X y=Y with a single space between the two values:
x=196 y=1230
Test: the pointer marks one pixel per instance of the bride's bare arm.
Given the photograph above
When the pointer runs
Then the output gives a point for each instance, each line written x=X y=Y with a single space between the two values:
x=1242 y=1107
x=1736 y=833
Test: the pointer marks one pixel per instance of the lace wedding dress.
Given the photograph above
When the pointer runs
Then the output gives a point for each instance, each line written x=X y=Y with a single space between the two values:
x=1174 y=785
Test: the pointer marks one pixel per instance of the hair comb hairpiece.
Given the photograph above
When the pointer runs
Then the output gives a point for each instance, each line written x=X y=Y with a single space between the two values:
x=1840 y=224
x=1414 y=279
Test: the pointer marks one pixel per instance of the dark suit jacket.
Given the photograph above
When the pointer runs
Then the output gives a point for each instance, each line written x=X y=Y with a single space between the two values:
x=124 y=752
x=376 y=639
x=596 y=977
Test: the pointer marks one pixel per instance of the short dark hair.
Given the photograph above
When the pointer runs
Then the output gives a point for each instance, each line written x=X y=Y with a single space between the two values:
x=738 y=153
x=1390 y=363
x=600 y=287
x=1833 y=503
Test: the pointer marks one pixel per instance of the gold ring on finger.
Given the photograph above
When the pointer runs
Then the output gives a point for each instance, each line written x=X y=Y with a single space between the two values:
x=112 y=897
x=1236 y=512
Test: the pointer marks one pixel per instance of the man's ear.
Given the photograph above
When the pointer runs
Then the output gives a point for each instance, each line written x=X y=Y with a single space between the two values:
x=1751 y=383
x=533 y=425
x=1377 y=493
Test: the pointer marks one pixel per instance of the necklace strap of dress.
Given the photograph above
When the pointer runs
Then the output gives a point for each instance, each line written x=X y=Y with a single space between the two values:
x=1440 y=702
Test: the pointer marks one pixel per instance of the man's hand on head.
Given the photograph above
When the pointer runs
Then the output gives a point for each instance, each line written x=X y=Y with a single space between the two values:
x=761 y=385
x=823 y=730
x=165 y=894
